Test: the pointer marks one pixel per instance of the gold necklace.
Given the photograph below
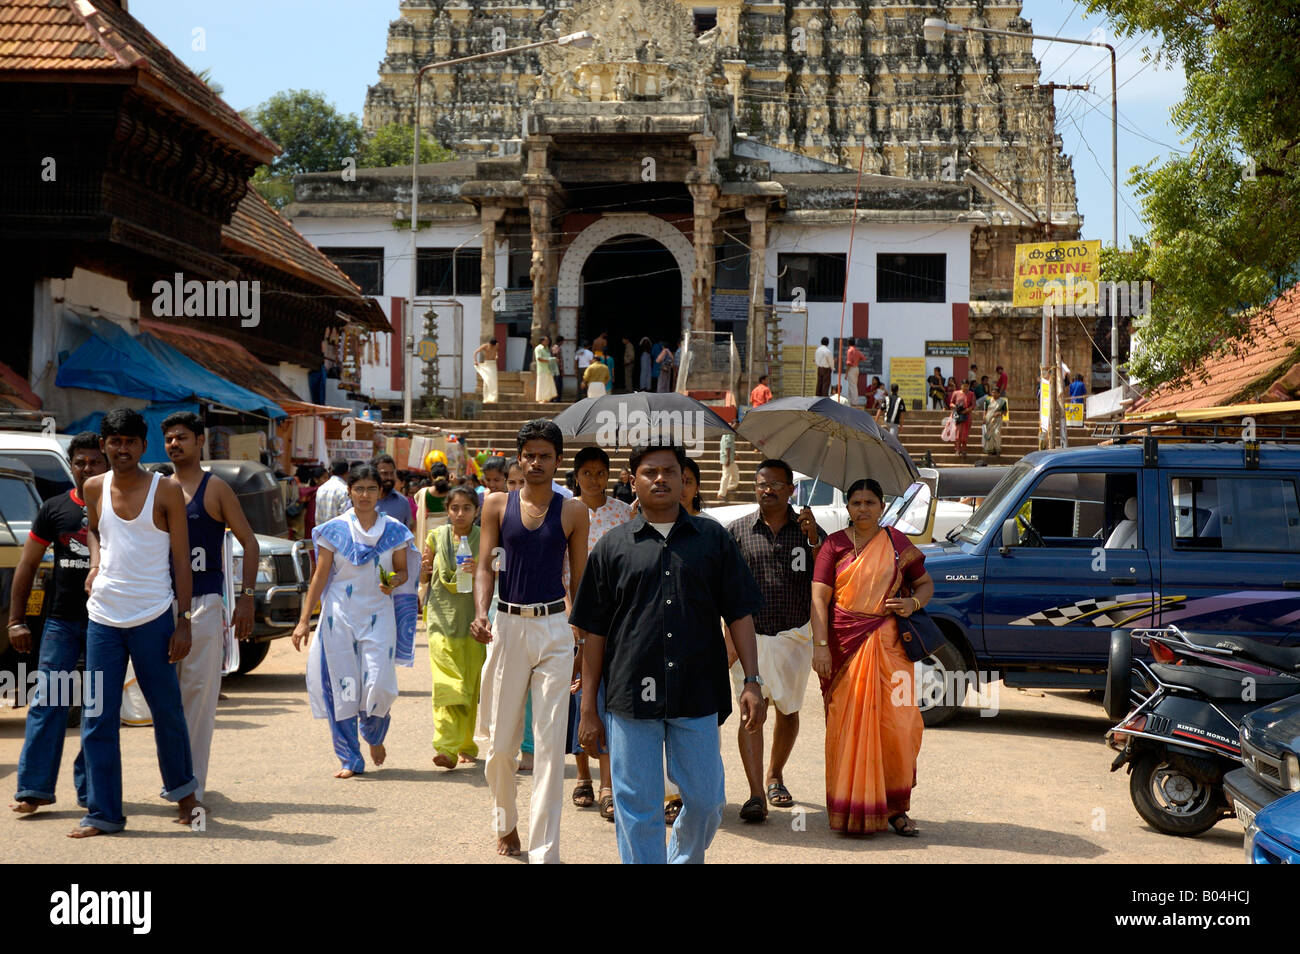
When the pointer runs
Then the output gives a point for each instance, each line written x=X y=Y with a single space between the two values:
x=856 y=549
x=537 y=514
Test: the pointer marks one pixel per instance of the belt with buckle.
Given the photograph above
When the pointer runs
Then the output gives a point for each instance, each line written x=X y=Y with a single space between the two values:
x=530 y=609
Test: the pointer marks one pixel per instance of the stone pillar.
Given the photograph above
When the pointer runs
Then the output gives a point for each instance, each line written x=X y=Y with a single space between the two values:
x=756 y=216
x=538 y=186
x=703 y=184
x=490 y=215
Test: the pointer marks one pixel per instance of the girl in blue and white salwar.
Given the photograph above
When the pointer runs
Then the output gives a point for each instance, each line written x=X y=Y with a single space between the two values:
x=366 y=626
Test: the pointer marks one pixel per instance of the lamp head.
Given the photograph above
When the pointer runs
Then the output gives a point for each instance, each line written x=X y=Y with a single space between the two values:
x=934 y=28
x=582 y=39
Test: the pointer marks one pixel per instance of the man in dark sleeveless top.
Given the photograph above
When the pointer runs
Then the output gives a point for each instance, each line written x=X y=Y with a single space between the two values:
x=530 y=646
x=210 y=506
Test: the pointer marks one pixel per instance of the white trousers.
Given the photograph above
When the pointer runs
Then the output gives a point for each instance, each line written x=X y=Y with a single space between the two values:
x=730 y=480
x=528 y=654
x=200 y=678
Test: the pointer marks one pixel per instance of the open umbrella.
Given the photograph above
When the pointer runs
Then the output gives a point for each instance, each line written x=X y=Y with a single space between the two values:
x=642 y=417
x=831 y=441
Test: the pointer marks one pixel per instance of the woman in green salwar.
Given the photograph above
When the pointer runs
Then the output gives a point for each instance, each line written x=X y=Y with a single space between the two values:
x=455 y=657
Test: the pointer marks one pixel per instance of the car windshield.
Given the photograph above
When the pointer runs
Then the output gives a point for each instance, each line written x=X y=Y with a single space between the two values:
x=810 y=492
x=910 y=511
x=986 y=515
x=18 y=505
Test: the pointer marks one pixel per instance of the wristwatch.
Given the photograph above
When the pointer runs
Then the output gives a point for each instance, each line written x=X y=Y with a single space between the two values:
x=188 y=614
x=756 y=680
x=248 y=591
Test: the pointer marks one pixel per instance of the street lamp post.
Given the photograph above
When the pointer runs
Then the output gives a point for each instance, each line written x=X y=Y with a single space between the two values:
x=582 y=40
x=935 y=29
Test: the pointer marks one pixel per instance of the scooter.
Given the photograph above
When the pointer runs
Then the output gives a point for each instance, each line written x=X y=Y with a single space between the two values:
x=1179 y=718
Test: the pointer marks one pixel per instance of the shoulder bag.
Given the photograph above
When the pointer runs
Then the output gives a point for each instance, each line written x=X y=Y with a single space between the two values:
x=919 y=634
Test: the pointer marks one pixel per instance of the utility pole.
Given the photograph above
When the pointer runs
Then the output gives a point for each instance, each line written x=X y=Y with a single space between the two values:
x=1051 y=346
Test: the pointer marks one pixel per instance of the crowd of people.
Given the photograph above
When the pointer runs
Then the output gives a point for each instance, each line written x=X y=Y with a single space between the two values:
x=615 y=626
x=598 y=368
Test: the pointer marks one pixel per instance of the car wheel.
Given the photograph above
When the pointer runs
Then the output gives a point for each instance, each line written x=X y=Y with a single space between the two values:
x=251 y=655
x=1170 y=800
x=942 y=673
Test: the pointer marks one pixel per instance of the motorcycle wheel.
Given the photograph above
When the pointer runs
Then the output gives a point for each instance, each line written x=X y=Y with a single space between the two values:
x=1171 y=801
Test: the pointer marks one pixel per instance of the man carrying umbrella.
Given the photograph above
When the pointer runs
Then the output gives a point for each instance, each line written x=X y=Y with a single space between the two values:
x=780 y=548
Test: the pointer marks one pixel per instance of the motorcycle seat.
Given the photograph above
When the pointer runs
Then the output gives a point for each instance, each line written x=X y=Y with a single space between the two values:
x=1226 y=684
x=1286 y=658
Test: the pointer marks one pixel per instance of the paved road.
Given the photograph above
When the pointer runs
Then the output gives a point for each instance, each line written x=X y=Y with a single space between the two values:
x=1029 y=785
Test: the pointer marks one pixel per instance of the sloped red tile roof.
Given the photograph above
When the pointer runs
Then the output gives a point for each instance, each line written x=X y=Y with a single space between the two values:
x=99 y=36
x=1240 y=378
x=259 y=232
x=223 y=357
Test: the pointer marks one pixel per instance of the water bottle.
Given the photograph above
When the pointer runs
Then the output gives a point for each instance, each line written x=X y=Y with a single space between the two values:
x=464 y=581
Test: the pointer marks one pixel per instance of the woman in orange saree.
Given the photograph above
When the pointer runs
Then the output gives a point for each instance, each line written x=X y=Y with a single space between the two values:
x=865 y=576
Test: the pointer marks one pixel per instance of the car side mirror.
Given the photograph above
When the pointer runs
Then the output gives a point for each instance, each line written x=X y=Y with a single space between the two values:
x=1010 y=535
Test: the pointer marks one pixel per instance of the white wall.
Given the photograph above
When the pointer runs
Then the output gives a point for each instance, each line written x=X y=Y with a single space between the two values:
x=377 y=232
x=904 y=327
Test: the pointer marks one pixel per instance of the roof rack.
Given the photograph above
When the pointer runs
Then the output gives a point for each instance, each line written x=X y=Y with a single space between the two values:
x=1189 y=432
x=25 y=421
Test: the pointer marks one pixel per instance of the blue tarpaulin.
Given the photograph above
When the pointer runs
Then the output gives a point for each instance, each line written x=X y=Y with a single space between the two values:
x=144 y=367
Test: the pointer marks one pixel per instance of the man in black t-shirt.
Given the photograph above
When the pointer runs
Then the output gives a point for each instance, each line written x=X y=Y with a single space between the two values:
x=61 y=523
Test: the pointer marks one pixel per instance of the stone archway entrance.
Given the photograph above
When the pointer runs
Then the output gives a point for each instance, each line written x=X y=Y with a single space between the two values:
x=630 y=226
x=630 y=286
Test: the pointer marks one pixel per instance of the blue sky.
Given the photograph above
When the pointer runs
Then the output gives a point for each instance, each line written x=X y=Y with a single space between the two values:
x=255 y=49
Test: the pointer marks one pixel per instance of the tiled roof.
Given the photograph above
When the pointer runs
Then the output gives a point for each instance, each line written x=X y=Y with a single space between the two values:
x=259 y=232
x=1240 y=378
x=81 y=35
x=222 y=357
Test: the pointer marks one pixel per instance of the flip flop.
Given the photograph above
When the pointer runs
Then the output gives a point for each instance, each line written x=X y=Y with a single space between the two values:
x=754 y=810
x=903 y=829
x=584 y=794
x=778 y=795
x=607 y=804
x=672 y=809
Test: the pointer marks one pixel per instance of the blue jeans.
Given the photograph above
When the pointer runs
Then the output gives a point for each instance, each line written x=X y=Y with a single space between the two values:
x=636 y=764
x=62 y=644
x=107 y=650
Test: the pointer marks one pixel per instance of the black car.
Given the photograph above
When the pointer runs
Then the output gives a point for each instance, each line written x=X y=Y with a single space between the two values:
x=1270 y=756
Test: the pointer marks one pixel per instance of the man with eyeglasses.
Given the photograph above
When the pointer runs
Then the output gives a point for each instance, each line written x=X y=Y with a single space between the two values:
x=780 y=548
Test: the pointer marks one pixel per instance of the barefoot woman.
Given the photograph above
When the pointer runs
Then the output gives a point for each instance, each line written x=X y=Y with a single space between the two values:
x=865 y=576
x=351 y=671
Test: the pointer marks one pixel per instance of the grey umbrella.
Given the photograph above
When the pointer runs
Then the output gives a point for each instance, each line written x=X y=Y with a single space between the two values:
x=642 y=417
x=828 y=440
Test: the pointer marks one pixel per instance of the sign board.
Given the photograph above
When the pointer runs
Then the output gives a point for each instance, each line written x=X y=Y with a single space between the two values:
x=729 y=305
x=1048 y=272
x=427 y=349
x=909 y=375
x=1074 y=415
x=873 y=354
x=947 y=349
x=1044 y=405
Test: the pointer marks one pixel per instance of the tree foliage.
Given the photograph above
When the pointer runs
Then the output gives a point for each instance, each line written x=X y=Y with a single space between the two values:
x=1224 y=219
x=391 y=146
x=314 y=135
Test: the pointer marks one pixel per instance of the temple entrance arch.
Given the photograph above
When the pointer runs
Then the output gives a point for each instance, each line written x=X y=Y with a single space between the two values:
x=650 y=272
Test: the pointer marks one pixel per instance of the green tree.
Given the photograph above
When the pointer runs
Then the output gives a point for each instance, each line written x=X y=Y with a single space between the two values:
x=314 y=135
x=391 y=146
x=1224 y=236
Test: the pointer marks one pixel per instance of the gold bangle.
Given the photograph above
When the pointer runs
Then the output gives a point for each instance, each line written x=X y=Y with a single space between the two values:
x=918 y=605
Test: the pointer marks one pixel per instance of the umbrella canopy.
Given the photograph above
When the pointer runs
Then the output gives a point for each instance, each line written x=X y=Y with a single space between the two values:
x=642 y=417
x=829 y=440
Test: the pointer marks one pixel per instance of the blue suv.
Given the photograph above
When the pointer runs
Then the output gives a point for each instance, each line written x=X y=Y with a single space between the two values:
x=1074 y=543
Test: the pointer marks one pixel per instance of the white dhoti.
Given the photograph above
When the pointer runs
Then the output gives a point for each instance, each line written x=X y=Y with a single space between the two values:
x=730 y=480
x=527 y=654
x=596 y=389
x=488 y=373
x=784 y=663
x=199 y=674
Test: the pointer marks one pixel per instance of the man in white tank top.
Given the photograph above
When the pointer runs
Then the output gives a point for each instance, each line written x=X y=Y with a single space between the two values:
x=137 y=523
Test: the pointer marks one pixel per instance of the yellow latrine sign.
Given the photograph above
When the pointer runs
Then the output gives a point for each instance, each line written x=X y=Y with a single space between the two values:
x=1059 y=272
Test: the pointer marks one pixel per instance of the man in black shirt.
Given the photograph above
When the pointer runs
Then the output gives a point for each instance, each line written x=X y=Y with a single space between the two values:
x=61 y=523
x=648 y=608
